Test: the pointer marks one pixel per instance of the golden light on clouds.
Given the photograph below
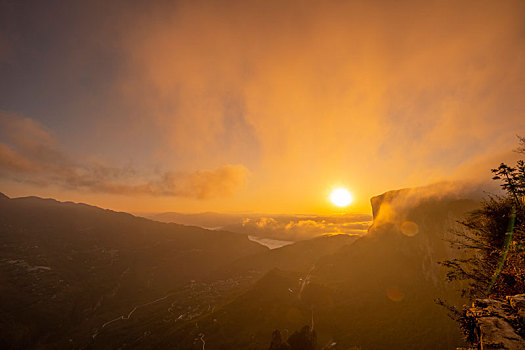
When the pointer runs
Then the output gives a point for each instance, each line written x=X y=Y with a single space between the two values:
x=240 y=99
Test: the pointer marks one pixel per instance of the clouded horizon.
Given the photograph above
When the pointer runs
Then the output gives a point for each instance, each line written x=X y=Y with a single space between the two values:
x=255 y=105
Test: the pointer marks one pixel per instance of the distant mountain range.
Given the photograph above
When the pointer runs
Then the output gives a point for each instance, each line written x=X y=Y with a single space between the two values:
x=77 y=276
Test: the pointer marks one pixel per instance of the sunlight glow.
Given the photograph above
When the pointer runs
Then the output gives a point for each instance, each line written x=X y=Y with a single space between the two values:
x=341 y=197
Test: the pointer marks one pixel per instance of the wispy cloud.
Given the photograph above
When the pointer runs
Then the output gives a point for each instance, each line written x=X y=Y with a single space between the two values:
x=29 y=153
x=392 y=207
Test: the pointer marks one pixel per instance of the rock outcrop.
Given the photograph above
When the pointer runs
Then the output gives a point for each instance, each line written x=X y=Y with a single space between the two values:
x=500 y=324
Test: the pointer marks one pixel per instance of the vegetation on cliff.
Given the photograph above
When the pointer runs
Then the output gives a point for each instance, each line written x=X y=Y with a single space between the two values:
x=492 y=244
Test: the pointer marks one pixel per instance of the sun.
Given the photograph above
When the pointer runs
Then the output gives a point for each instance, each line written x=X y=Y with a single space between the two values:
x=341 y=197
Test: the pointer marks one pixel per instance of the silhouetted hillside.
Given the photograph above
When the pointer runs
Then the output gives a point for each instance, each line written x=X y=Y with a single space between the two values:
x=300 y=256
x=193 y=319
x=66 y=268
x=110 y=280
x=375 y=293
x=208 y=219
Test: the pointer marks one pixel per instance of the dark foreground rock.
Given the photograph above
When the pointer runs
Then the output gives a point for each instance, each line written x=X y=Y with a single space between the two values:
x=500 y=324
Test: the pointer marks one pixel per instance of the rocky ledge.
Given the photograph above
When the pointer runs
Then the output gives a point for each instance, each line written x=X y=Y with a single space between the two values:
x=500 y=324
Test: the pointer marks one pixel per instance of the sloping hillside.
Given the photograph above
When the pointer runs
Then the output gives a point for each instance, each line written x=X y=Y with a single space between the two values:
x=79 y=276
x=66 y=268
x=375 y=293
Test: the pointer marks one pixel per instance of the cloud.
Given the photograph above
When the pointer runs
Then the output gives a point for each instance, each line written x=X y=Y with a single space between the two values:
x=303 y=227
x=392 y=207
x=417 y=84
x=325 y=91
x=29 y=153
x=307 y=94
x=203 y=184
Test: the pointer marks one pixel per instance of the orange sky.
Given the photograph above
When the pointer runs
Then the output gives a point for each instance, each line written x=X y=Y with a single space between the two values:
x=255 y=106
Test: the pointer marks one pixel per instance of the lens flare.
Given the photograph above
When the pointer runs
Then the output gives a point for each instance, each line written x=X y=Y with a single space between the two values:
x=394 y=293
x=409 y=228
